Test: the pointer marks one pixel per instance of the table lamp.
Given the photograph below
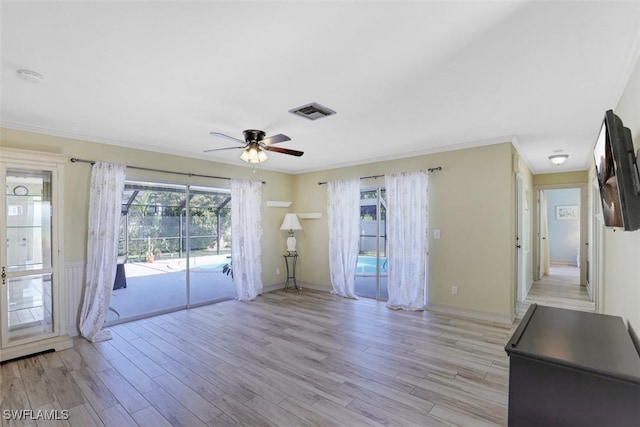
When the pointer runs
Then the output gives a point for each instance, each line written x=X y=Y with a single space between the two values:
x=291 y=223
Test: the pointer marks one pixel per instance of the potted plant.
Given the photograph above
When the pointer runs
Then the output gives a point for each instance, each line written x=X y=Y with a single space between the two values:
x=228 y=268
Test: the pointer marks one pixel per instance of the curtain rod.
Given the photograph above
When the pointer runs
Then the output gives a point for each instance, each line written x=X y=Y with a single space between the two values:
x=439 y=168
x=76 y=160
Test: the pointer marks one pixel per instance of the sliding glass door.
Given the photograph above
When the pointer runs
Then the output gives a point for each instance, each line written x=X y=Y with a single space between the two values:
x=209 y=236
x=174 y=243
x=151 y=272
x=371 y=269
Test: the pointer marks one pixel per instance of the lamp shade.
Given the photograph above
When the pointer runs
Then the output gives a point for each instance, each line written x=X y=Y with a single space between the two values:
x=291 y=222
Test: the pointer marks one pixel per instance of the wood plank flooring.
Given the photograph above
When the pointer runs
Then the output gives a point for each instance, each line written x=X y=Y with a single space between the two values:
x=561 y=288
x=286 y=359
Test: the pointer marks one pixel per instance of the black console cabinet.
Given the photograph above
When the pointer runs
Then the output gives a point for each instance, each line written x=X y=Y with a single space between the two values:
x=570 y=368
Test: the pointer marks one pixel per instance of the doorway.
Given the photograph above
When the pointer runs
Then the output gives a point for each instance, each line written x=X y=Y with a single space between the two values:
x=561 y=233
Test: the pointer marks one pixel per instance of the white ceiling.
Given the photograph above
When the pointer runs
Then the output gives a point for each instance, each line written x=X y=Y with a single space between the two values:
x=404 y=77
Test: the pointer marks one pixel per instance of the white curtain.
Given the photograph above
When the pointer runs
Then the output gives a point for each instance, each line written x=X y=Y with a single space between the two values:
x=343 y=215
x=246 y=232
x=105 y=205
x=408 y=239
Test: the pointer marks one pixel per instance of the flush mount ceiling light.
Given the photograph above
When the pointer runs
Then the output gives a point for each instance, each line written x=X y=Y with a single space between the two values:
x=30 y=76
x=558 y=159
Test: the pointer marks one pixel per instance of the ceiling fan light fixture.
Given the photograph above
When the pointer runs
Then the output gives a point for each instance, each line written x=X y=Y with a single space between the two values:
x=558 y=159
x=262 y=156
x=255 y=145
x=254 y=154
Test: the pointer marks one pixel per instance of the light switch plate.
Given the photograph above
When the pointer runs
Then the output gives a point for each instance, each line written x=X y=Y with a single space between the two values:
x=436 y=234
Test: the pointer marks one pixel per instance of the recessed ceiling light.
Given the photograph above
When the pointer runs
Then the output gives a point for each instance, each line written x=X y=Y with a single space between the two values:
x=30 y=76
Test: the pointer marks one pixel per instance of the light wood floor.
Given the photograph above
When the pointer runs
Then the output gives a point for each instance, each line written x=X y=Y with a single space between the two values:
x=287 y=359
x=561 y=288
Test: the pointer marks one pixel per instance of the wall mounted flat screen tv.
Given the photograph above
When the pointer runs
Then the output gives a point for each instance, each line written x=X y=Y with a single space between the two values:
x=618 y=175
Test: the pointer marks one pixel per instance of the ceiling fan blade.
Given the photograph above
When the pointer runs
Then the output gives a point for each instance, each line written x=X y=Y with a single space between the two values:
x=275 y=139
x=284 y=151
x=221 y=149
x=222 y=135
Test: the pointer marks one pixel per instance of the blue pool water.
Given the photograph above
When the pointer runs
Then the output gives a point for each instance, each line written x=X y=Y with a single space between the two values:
x=367 y=265
x=209 y=267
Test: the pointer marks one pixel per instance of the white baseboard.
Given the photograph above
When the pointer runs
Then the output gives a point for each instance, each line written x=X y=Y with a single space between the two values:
x=316 y=287
x=563 y=263
x=528 y=289
x=302 y=285
x=272 y=288
x=504 y=319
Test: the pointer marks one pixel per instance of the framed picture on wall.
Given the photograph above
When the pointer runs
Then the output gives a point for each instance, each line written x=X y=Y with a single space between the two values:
x=567 y=212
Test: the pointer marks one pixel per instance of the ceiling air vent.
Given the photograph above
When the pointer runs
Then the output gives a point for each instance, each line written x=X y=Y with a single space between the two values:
x=313 y=111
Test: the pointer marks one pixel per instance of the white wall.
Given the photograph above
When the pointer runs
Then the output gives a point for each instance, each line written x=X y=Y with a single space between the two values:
x=621 y=250
x=472 y=203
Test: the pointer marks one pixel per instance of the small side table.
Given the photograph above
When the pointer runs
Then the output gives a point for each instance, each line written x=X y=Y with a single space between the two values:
x=290 y=260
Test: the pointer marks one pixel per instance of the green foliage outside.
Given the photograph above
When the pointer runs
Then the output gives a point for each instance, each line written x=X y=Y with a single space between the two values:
x=157 y=224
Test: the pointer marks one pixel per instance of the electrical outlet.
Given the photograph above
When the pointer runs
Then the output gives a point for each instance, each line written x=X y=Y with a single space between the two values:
x=454 y=290
x=277 y=271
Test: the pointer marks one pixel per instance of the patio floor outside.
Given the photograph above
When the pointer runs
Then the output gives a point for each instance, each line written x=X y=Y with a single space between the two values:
x=161 y=285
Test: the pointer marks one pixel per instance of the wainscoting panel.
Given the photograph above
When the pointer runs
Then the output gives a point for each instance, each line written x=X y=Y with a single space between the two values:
x=74 y=280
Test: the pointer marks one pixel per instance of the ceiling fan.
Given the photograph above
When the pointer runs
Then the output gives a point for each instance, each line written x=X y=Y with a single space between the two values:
x=255 y=144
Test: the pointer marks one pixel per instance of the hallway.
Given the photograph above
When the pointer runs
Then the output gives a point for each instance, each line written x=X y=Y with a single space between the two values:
x=561 y=288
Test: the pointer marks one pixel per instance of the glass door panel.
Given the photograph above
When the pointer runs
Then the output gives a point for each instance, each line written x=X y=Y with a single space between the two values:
x=28 y=274
x=366 y=269
x=28 y=219
x=209 y=234
x=151 y=275
x=371 y=268
x=30 y=305
x=383 y=292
